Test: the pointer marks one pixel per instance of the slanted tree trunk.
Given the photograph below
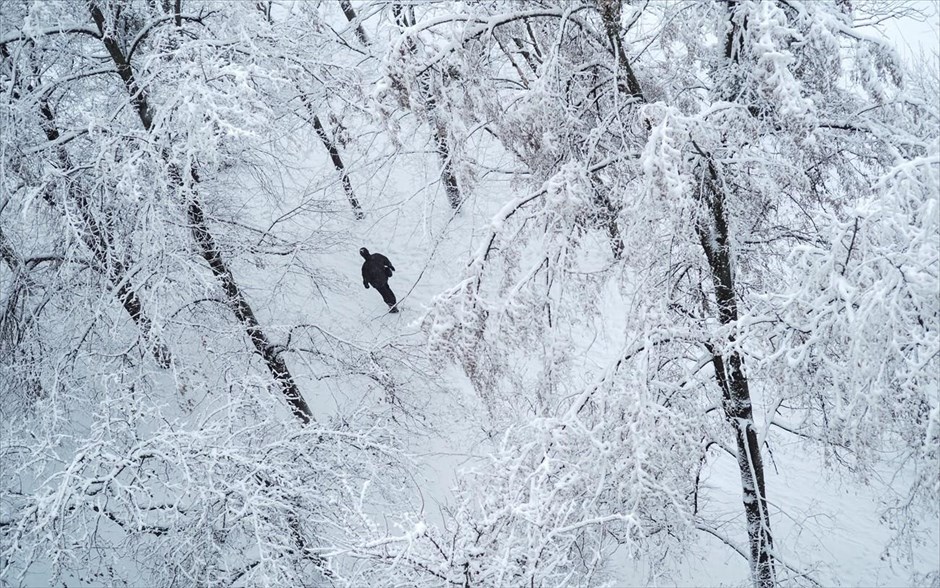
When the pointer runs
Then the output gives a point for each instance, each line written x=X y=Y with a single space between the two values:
x=606 y=215
x=729 y=369
x=440 y=136
x=610 y=14
x=328 y=142
x=439 y=132
x=351 y=17
x=338 y=164
x=729 y=372
x=335 y=157
x=270 y=354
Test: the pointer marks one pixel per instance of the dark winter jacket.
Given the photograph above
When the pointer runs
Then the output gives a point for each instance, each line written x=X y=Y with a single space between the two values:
x=376 y=269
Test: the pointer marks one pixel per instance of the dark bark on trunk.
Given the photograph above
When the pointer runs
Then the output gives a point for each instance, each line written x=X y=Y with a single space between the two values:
x=13 y=261
x=527 y=55
x=729 y=373
x=207 y=247
x=137 y=96
x=243 y=312
x=729 y=370
x=613 y=229
x=265 y=9
x=610 y=14
x=338 y=164
x=336 y=159
x=439 y=131
x=606 y=214
x=351 y=17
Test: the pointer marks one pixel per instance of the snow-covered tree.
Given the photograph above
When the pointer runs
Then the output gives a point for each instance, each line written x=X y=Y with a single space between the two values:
x=156 y=425
x=749 y=164
x=720 y=230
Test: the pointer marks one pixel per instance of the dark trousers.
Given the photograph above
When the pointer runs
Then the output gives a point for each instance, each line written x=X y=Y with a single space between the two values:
x=387 y=295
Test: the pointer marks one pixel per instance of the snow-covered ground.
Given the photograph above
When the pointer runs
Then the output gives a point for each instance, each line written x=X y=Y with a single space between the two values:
x=825 y=521
x=828 y=523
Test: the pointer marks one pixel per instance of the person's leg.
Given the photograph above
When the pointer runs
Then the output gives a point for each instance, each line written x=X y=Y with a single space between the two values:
x=389 y=297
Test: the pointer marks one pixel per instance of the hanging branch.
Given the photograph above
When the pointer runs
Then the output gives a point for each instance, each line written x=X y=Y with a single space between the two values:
x=96 y=236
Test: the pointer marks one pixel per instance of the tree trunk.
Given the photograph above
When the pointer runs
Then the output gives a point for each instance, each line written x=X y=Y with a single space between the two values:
x=610 y=14
x=439 y=131
x=351 y=17
x=207 y=247
x=736 y=396
x=243 y=312
x=336 y=159
x=729 y=373
x=97 y=237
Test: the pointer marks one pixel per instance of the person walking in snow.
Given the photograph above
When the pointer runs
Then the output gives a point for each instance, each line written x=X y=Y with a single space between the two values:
x=376 y=270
